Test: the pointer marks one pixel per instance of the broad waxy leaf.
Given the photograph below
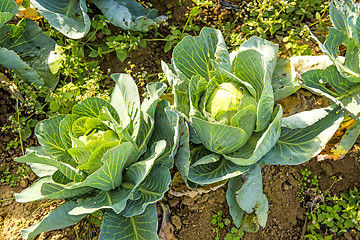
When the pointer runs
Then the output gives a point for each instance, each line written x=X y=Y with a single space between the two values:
x=245 y=194
x=128 y=14
x=347 y=141
x=250 y=67
x=141 y=227
x=25 y=49
x=113 y=199
x=152 y=189
x=70 y=172
x=259 y=143
x=297 y=145
x=93 y=107
x=46 y=188
x=8 y=9
x=56 y=219
x=48 y=135
x=214 y=168
x=192 y=55
x=109 y=176
x=125 y=98
x=68 y=16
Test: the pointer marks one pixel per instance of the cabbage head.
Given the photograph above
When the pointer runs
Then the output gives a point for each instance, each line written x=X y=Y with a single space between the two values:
x=231 y=124
x=110 y=158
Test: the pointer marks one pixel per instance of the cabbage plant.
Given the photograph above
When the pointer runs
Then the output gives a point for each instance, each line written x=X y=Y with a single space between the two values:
x=26 y=50
x=344 y=73
x=112 y=157
x=70 y=16
x=231 y=124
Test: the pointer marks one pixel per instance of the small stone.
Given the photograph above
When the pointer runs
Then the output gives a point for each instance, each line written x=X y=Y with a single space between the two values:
x=23 y=183
x=174 y=201
x=187 y=201
x=176 y=221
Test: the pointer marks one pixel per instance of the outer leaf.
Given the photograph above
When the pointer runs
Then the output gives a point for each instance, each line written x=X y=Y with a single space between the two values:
x=284 y=80
x=346 y=94
x=29 y=52
x=182 y=157
x=8 y=9
x=48 y=135
x=214 y=169
x=65 y=129
x=250 y=67
x=259 y=143
x=68 y=16
x=141 y=227
x=114 y=199
x=268 y=50
x=109 y=176
x=57 y=219
x=46 y=188
x=192 y=55
x=218 y=138
x=236 y=212
x=70 y=172
x=250 y=193
x=125 y=98
x=180 y=85
x=92 y=107
x=128 y=14
x=298 y=145
x=152 y=189
x=138 y=171
x=166 y=128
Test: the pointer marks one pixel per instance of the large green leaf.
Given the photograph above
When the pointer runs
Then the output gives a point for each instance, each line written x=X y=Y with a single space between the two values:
x=68 y=16
x=128 y=14
x=70 y=172
x=259 y=143
x=214 y=168
x=180 y=85
x=125 y=99
x=219 y=138
x=284 y=80
x=93 y=107
x=48 y=135
x=137 y=172
x=268 y=50
x=182 y=157
x=8 y=9
x=245 y=194
x=56 y=219
x=141 y=227
x=192 y=55
x=250 y=66
x=46 y=188
x=166 y=128
x=114 y=199
x=343 y=93
x=109 y=176
x=152 y=189
x=304 y=136
x=27 y=50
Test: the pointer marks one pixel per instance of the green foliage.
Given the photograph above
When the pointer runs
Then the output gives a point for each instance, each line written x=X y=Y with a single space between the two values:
x=212 y=149
x=306 y=182
x=274 y=17
x=109 y=156
x=338 y=214
x=22 y=172
x=219 y=222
